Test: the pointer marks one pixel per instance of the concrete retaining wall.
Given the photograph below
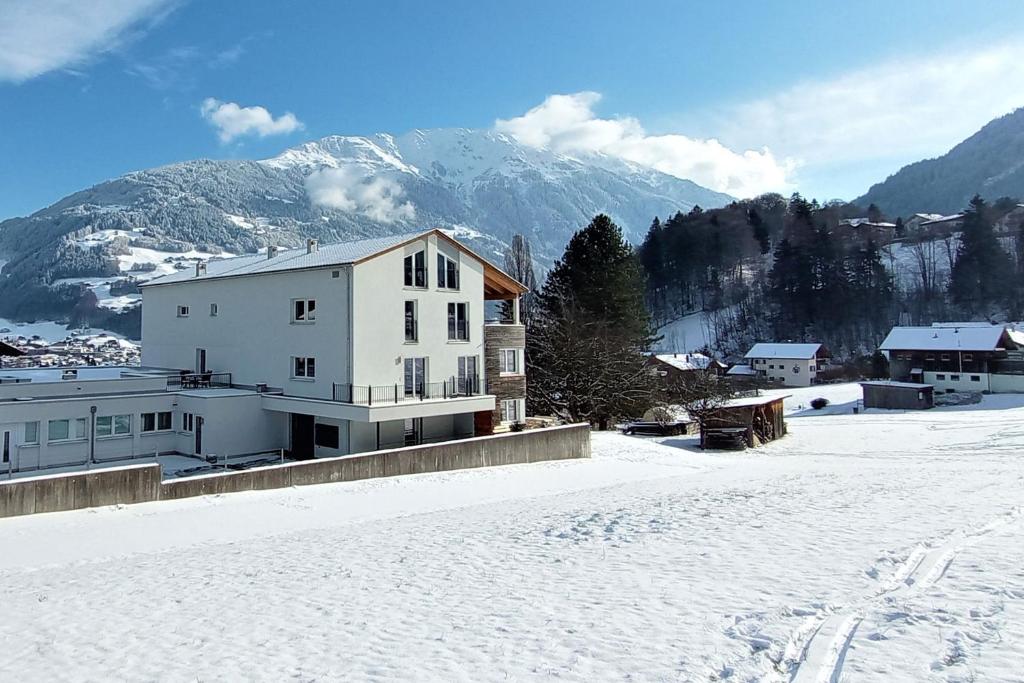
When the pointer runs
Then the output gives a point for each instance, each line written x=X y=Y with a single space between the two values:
x=141 y=483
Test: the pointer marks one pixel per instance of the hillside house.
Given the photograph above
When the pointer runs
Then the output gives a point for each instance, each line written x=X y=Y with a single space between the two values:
x=793 y=365
x=956 y=357
x=913 y=224
x=321 y=351
x=678 y=366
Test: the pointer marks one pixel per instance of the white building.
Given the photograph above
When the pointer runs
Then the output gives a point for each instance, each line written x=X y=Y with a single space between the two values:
x=794 y=365
x=322 y=351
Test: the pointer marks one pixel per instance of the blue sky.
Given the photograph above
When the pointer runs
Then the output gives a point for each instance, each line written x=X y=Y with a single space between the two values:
x=820 y=97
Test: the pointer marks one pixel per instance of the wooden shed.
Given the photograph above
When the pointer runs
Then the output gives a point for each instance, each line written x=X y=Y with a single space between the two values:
x=898 y=395
x=760 y=418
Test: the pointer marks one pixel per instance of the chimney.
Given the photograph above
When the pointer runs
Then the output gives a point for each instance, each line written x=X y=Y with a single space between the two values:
x=311 y=245
x=200 y=268
x=271 y=252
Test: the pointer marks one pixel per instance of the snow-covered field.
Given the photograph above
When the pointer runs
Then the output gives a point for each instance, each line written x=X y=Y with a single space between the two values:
x=880 y=546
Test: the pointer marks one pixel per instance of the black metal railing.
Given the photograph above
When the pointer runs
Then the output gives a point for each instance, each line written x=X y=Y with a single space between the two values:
x=454 y=387
x=199 y=380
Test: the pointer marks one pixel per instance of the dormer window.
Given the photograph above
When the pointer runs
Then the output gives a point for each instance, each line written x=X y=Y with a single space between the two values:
x=447 y=272
x=416 y=269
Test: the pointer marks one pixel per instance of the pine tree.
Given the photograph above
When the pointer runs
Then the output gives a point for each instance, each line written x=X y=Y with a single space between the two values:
x=982 y=273
x=590 y=331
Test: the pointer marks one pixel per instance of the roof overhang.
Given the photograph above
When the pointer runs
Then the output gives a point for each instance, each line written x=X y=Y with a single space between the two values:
x=8 y=350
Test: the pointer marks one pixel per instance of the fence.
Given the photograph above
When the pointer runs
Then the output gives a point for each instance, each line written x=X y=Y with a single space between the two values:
x=396 y=393
x=142 y=483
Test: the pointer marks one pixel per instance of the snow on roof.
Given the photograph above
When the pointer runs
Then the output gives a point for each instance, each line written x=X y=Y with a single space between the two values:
x=741 y=370
x=966 y=338
x=945 y=219
x=928 y=216
x=325 y=255
x=685 y=361
x=755 y=400
x=902 y=385
x=773 y=350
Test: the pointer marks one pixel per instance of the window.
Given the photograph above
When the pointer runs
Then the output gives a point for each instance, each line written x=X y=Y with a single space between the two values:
x=930 y=356
x=416 y=269
x=458 y=322
x=975 y=378
x=303 y=310
x=510 y=411
x=113 y=425
x=325 y=435
x=335 y=274
x=508 y=360
x=187 y=422
x=303 y=367
x=968 y=356
x=66 y=430
x=469 y=378
x=415 y=376
x=954 y=378
x=156 y=422
x=447 y=272
x=213 y=310
x=182 y=311
x=31 y=433
x=944 y=356
x=771 y=367
x=412 y=330
x=940 y=377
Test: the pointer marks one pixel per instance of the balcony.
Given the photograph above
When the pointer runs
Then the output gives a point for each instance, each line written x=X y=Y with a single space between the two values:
x=392 y=394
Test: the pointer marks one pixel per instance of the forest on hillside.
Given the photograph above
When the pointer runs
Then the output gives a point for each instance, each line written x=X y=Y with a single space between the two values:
x=772 y=268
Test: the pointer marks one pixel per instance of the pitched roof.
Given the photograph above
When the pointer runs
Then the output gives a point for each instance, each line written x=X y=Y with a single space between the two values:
x=685 y=361
x=8 y=350
x=741 y=370
x=772 y=350
x=327 y=255
x=946 y=338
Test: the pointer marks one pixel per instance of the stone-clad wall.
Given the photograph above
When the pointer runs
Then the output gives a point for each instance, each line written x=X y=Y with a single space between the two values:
x=498 y=337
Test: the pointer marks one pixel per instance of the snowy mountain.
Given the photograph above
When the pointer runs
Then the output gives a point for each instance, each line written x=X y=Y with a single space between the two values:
x=989 y=163
x=482 y=185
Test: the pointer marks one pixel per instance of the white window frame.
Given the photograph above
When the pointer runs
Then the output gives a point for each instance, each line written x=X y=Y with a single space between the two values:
x=107 y=426
x=415 y=321
x=409 y=270
x=303 y=368
x=80 y=432
x=183 y=311
x=156 y=422
x=34 y=441
x=513 y=415
x=504 y=355
x=443 y=280
x=453 y=320
x=307 y=316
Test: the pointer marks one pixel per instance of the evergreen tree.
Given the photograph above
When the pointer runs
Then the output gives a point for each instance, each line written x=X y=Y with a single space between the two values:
x=982 y=273
x=590 y=331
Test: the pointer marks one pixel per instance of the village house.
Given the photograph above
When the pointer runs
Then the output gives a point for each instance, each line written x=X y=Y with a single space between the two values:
x=913 y=224
x=957 y=357
x=793 y=365
x=678 y=366
x=320 y=351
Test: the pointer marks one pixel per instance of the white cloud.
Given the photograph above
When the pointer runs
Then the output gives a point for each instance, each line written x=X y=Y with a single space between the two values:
x=896 y=111
x=567 y=124
x=37 y=36
x=348 y=189
x=232 y=121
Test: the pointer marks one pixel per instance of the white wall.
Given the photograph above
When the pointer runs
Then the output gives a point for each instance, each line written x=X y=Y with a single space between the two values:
x=963 y=381
x=379 y=297
x=253 y=336
x=783 y=370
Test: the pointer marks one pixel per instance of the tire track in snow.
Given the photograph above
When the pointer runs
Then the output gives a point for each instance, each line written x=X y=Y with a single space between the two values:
x=816 y=651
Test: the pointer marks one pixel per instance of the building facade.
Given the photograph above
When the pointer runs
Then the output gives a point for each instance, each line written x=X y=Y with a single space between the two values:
x=957 y=357
x=793 y=365
x=321 y=351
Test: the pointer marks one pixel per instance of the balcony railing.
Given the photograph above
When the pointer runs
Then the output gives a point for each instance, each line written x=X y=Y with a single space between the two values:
x=398 y=393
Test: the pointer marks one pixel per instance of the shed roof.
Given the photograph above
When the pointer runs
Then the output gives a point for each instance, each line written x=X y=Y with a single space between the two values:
x=899 y=385
x=686 y=361
x=783 y=350
x=968 y=338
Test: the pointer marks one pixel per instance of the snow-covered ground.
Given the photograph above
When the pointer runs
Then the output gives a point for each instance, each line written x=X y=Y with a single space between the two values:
x=689 y=333
x=882 y=546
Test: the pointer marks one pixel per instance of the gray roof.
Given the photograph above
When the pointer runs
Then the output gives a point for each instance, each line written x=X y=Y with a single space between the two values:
x=967 y=338
x=326 y=255
x=783 y=350
x=901 y=385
